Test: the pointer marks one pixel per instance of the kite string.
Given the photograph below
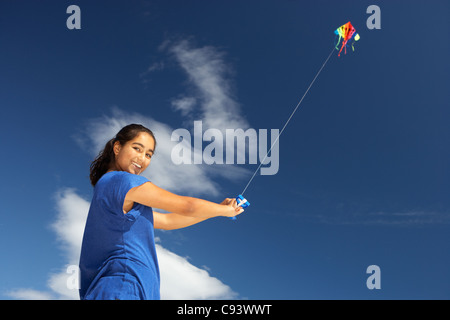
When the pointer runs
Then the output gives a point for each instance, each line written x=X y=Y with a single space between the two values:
x=288 y=120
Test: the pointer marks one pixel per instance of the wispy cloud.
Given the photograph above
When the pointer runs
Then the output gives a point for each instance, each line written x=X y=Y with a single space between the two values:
x=144 y=76
x=327 y=209
x=211 y=83
x=184 y=104
x=404 y=218
x=412 y=218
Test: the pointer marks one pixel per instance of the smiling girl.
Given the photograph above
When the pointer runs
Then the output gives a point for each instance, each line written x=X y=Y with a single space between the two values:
x=118 y=257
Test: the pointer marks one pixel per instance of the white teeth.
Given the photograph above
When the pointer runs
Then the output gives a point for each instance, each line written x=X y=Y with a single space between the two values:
x=137 y=165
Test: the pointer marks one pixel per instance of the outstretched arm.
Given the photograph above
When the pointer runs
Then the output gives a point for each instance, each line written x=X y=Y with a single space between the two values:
x=151 y=195
x=171 y=221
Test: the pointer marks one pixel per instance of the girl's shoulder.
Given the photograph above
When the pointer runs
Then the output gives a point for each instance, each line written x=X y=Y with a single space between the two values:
x=120 y=177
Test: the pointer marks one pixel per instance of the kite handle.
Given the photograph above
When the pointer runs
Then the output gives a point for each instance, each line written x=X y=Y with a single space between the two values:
x=242 y=202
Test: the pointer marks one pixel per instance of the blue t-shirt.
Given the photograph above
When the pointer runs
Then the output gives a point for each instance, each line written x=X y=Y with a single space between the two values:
x=118 y=256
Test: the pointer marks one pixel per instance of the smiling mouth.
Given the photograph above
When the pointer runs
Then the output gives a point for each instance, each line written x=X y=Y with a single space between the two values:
x=137 y=165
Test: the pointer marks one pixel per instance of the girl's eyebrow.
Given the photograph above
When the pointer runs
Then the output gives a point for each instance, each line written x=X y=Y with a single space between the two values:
x=142 y=146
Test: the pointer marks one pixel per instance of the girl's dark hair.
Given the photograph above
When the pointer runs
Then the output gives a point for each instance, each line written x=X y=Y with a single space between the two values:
x=104 y=159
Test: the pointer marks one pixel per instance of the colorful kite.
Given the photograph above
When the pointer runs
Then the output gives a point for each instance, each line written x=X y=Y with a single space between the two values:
x=346 y=32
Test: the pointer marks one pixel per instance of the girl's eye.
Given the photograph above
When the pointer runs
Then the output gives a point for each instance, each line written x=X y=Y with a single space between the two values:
x=136 y=148
x=148 y=155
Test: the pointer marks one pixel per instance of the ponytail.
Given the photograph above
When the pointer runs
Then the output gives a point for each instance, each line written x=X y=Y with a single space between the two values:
x=106 y=157
x=101 y=164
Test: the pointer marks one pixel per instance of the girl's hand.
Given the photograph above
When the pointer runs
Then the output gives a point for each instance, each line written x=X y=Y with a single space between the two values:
x=234 y=210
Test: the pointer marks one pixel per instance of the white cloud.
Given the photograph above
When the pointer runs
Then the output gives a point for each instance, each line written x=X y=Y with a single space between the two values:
x=184 y=104
x=182 y=280
x=209 y=75
x=29 y=294
x=179 y=278
x=70 y=220
x=210 y=97
x=144 y=76
x=189 y=179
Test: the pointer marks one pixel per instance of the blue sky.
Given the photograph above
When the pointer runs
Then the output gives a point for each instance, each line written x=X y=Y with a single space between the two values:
x=363 y=166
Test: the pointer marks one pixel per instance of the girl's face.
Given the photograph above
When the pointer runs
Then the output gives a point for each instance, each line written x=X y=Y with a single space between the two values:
x=134 y=157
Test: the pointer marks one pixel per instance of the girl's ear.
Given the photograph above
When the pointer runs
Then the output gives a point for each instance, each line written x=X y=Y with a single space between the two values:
x=116 y=147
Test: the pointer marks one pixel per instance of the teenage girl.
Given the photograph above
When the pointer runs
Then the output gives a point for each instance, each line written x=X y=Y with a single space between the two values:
x=118 y=257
